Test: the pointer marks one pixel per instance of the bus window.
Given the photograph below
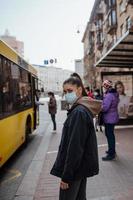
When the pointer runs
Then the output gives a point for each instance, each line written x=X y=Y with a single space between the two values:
x=22 y=88
x=0 y=86
x=25 y=88
x=15 y=72
x=7 y=87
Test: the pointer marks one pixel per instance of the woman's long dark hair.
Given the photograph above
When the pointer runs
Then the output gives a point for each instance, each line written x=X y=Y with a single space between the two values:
x=73 y=80
x=120 y=83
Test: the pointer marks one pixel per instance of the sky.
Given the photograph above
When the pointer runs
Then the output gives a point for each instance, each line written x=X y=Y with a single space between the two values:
x=48 y=28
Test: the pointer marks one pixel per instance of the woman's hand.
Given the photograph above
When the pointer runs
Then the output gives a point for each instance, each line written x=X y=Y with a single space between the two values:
x=63 y=185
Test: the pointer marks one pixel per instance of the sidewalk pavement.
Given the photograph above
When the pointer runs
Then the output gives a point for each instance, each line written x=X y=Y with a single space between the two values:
x=114 y=182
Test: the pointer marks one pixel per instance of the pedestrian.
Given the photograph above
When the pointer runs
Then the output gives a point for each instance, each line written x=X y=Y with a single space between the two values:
x=52 y=106
x=77 y=156
x=110 y=117
x=89 y=92
x=98 y=96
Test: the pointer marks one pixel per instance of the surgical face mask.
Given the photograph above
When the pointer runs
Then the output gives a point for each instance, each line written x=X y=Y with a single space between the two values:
x=71 y=97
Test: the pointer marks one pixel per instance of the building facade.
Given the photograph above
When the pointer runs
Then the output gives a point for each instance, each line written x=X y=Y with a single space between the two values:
x=17 y=45
x=79 y=68
x=108 y=41
x=51 y=78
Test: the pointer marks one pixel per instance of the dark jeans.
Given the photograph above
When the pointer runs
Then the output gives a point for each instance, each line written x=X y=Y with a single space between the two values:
x=76 y=191
x=54 y=122
x=109 y=132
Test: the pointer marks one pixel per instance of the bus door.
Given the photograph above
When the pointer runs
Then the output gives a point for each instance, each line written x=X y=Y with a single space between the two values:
x=35 y=99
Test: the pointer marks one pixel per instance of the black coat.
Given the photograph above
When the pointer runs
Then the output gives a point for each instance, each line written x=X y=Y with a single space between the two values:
x=52 y=107
x=77 y=155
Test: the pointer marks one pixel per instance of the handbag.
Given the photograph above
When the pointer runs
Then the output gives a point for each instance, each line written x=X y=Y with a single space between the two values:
x=100 y=119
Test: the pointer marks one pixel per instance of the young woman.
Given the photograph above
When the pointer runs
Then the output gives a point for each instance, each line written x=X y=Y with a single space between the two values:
x=110 y=117
x=77 y=156
x=123 y=100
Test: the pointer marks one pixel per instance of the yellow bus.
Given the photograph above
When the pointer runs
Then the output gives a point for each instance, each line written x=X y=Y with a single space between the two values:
x=18 y=110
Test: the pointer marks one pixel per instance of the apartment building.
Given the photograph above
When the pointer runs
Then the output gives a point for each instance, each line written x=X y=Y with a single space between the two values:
x=79 y=67
x=51 y=78
x=108 y=43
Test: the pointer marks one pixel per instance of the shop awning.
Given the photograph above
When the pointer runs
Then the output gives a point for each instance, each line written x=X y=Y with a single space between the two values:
x=120 y=55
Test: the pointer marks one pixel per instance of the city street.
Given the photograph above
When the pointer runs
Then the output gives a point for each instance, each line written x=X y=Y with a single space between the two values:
x=56 y=56
x=26 y=176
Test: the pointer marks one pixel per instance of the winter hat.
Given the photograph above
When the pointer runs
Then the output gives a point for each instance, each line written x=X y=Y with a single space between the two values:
x=107 y=84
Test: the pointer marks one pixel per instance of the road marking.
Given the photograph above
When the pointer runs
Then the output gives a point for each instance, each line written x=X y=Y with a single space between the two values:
x=15 y=174
x=104 y=145
x=49 y=152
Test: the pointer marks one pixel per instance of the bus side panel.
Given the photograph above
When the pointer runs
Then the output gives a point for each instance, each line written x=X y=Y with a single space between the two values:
x=12 y=134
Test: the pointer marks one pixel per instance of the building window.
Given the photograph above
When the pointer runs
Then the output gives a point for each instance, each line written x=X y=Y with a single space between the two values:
x=99 y=40
x=128 y=23
x=99 y=37
x=113 y=13
x=91 y=42
x=110 y=3
x=109 y=20
x=112 y=20
x=99 y=24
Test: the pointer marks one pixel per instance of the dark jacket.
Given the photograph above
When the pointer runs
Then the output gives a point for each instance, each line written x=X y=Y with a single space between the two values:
x=110 y=106
x=77 y=155
x=52 y=105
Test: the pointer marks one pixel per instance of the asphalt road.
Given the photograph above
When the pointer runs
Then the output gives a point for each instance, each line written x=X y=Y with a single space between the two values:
x=12 y=173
